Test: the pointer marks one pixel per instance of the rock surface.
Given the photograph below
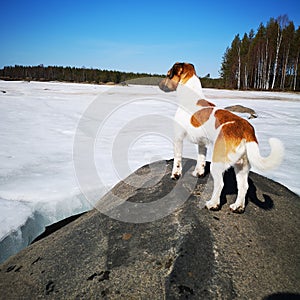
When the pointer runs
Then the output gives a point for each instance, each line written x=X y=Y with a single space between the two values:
x=191 y=253
x=242 y=109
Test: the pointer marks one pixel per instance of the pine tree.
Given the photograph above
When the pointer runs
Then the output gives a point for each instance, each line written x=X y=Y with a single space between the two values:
x=231 y=64
x=266 y=60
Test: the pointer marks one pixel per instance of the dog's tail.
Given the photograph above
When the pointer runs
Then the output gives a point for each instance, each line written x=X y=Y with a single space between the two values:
x=265 y=163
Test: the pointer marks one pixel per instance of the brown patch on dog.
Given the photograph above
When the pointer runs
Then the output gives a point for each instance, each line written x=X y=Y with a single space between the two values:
x=234 y=130
x=221 y=148
x=176 y=70
x=201 y=116
x=204 y=103
x=237 y=127
x=188 y=72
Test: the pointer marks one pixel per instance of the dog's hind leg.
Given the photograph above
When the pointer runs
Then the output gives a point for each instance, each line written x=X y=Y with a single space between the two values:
x=241 y=169
x=201 y=161
x=216 y=170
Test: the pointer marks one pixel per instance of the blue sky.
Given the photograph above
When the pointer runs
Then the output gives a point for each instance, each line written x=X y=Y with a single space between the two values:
x=133 y=36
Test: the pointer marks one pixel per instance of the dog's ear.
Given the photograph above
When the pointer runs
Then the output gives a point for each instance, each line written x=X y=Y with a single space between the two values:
x=193 y=68
x=177 y=70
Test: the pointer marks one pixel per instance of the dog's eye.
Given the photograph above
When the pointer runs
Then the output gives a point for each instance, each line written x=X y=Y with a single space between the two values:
x=170 y=75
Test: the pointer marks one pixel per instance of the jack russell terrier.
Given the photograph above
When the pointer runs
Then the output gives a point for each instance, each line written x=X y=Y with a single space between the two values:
x=233 y=138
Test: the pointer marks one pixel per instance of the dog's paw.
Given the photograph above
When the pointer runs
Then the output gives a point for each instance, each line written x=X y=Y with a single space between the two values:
x=175 y=176
x=237 y=209
x=212 y=206
x=198 y=173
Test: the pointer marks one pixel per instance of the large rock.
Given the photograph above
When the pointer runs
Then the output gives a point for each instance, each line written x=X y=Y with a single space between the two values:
x=191 y=253
x=243 y=110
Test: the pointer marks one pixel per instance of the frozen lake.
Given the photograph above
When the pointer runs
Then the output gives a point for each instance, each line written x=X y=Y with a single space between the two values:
x=126 y=128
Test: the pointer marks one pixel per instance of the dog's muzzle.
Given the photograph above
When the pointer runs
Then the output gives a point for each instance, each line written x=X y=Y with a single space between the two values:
x=167 y=85
x=163 y=85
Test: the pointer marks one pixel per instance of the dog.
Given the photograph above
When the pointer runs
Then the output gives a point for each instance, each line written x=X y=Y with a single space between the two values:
x=233 y=138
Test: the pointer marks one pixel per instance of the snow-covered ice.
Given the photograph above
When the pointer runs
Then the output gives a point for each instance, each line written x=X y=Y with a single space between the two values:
x=38 y=182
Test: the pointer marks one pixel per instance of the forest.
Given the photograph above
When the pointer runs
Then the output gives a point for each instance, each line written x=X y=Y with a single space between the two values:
x=267 y=60
x=72 y=74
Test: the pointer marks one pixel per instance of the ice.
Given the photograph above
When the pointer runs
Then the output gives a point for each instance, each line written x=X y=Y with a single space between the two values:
x=39 y=123
x=37 y=181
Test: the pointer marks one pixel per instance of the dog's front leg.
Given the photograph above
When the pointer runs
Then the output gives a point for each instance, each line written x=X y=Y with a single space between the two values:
x=201 y=161
x=177 y=166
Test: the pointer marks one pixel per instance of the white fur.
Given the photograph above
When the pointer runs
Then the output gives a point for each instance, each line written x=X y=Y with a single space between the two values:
x=266 y=163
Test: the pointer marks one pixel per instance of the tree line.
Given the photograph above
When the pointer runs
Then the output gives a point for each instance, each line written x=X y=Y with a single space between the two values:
x=267 y=60
x=71 y=74
x=97 y=76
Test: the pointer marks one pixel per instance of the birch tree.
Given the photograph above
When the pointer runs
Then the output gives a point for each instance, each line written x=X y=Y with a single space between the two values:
x=295 y=57
x=244 y=53
x=281 y=23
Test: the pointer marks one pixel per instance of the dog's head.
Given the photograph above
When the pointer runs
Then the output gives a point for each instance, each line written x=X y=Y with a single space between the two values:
x=179 y=73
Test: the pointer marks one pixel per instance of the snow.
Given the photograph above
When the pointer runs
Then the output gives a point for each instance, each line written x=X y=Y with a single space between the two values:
x=45 y=128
